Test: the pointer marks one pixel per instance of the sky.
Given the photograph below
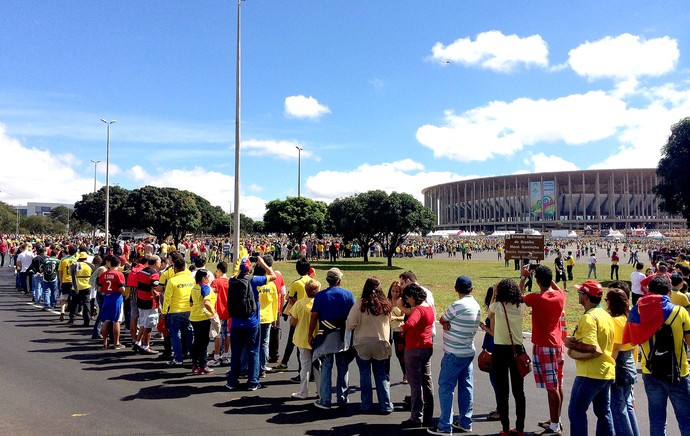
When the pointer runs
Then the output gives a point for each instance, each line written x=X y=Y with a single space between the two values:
x=396 y=95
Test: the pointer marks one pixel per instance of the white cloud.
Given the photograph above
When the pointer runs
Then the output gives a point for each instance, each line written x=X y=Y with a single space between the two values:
x=138 y=173
x=300 y=106
x=285 y=150
x=624 y=56
x=400 y=176
x=503 y=128
x=378 y=84
x=494 y=51
x=34 y=175
x=543 y=163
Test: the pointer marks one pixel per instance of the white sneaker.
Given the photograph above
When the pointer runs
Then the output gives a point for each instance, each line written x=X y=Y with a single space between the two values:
x=214 y=362
x=299 y=396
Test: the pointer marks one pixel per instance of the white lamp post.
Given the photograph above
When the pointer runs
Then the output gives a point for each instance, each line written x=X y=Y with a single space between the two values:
x=299 y=169
x=107 y=182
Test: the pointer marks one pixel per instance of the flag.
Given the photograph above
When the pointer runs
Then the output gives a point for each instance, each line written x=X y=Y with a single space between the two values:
x=646 y=317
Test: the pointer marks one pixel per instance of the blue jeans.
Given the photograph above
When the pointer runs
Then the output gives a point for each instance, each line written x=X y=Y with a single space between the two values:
x=50 y=290
x=592 y=269
x=37 y=288
x=383 y=393
x=658 y=394
x=241 y=339
x=341 y=362
x=263 y=351
x=588 y=391
x=176 y=323
x=455 y=371
x=623 y=410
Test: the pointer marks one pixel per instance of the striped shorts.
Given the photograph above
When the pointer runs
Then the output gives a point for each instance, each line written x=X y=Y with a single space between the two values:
x=548 y=366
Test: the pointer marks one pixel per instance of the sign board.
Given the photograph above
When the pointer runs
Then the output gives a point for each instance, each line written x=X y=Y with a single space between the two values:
x=520 y=246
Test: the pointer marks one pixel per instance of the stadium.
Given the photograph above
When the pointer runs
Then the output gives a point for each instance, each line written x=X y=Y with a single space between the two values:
x=573 y=200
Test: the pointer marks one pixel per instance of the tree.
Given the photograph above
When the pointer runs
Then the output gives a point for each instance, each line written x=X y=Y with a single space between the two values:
x=61 y=213
x=8 y=218
x=355 y=218
x=213 y=219
x=296 y=216
x=673 y=170
x=41 y=224
x=399 y=215
x=91 y=209
x=164 y=212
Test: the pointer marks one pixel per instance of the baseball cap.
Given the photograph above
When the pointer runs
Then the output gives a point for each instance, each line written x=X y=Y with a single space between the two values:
x=463 y=284
x=334 y=274
x=245 y=265
x=591 y=287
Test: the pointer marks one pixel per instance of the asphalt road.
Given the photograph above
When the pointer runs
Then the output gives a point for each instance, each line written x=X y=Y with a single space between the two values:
x=55 y=379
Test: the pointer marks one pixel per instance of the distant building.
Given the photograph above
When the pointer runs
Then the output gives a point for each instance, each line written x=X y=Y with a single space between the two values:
x=601 y=199
x=32 y=209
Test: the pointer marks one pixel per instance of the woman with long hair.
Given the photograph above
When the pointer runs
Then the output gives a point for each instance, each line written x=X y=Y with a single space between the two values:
x=418 y=351
x=488 y=345
x=370 y=320
x=397 y=318
x=622 y=402
x=505 y=315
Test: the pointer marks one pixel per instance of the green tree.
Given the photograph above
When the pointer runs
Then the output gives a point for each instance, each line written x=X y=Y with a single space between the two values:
x=61 y=213
x=91 y=209
x=673 y=171
x=164 y=212
x=356 y=218
x=297 y=217
x=8 y=218
x=41 y=224
x=399 y=215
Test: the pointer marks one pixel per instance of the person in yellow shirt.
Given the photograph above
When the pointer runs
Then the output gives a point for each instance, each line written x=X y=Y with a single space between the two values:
x=268 y=302
x=622 y=404
x=176 y=308
x=81 y=288
x=595 y=375
x=677 y=296
x=296 y=293
x=300 y=314
x=65 y=277
x=203 y=309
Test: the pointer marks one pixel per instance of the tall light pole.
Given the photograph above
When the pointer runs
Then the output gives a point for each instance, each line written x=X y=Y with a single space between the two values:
x=95 y=165
x=236 y=216
x=107 y=181
x=299 y=169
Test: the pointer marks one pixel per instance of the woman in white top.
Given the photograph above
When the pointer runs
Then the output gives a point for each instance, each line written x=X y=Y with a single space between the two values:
x=508 y=304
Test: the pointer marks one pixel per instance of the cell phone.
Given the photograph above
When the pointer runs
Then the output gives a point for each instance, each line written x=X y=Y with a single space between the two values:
x=533 y=266
x=254 y=259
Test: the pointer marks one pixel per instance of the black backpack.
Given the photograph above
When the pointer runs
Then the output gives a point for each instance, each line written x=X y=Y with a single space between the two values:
x=662 y=361
x=49 y=268
x=241 y=301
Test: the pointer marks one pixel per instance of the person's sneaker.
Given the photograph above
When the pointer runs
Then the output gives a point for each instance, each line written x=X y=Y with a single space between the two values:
x=149 y=351
x=252 y=388
x=136 y=348
x=460 y=429
x=299 y=396
x=70 y=321
x=550 y=432
x=119 y=347
x=230 y=387
x=195 y=370
x=280 y=367
x=296 y=379
x=410 y=424
x=214 y=362
x=262 y=374
x=436 y=430
x=544 y=424
x=206 y=370
x=319 y=405
x=225 y=360
x=175 y=363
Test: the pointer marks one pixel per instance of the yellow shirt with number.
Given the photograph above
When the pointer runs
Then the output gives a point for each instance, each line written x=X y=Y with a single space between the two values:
x=64 y=269
x=595 y=327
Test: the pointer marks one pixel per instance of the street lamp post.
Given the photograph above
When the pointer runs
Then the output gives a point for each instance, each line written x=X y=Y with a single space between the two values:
x=107 y=181
x=299 y=169
x=236 y=216
x=95 y=165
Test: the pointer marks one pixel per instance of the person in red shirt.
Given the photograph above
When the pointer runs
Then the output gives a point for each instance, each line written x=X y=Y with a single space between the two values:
x=3 y=251
x=132 y=284
x=220 y=286
x=111 y=283
x=147 y=297
x=418 y=351
x=614 y=264
x=662 y=269
x=548 y=350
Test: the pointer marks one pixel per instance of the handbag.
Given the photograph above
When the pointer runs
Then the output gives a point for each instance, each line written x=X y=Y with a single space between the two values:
x=484 y=361
x=523 y=361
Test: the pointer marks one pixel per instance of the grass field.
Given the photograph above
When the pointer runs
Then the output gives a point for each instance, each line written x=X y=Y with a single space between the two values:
x=439 y=276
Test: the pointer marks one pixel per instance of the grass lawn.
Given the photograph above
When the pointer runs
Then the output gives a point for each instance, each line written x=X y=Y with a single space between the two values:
x=439 y=276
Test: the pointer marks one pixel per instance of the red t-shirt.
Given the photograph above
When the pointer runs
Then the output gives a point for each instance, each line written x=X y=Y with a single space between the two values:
x=132 y=279
x=644 y=284
x=418 y=328
x=547 y=308
x=111 y=281
x=221 y=287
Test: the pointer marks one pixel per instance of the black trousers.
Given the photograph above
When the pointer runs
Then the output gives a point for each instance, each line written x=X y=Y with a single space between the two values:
x=200 y=344
x=506 y=375
x=80 y=299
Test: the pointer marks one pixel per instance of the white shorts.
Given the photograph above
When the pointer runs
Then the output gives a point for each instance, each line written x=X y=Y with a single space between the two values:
x=148 y=318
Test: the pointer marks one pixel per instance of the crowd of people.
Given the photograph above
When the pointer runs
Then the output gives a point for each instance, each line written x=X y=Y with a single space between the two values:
x=152 y=290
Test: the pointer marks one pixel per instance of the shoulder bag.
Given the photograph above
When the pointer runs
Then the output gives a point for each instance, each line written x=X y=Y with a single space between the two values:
x=523 y=361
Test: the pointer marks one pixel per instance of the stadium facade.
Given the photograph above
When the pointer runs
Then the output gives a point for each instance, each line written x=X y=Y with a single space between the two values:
x=600 y=199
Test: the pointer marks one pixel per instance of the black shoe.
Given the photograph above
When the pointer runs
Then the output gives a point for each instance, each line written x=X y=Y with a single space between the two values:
x=410 y=424
x=296 y=379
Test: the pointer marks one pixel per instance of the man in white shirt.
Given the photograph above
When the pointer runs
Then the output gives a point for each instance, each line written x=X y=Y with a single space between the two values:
x=592 y=265
x=635 y=279
x=24 y=262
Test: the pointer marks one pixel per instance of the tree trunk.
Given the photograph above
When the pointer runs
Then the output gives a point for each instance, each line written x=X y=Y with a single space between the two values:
x=365 y=252
x=389 y=255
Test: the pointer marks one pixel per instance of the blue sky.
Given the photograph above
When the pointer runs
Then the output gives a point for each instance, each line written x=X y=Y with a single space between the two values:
x=393 y=95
